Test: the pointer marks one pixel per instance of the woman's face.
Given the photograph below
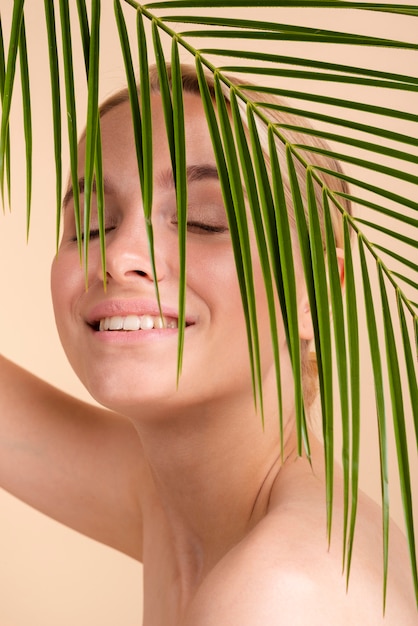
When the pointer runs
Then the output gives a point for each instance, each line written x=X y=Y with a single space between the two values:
x=122 y=366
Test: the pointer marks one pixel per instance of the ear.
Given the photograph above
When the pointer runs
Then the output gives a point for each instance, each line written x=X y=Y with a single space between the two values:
x=305 y=318
x=304 y=309
x=340 y=261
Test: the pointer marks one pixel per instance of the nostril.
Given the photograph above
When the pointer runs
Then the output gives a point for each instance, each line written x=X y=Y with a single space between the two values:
x=140 y=272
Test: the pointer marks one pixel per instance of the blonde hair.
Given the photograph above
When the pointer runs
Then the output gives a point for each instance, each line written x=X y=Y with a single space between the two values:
x=271 y=107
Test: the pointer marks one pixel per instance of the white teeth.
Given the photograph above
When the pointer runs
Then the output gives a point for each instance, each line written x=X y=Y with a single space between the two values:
x=131 y=322
x=147 y=322
x=116 y=323
x=160 y=322
x=136 y=322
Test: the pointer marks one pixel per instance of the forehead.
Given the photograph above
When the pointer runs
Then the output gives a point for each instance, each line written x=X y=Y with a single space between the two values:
x=118 y=140
x=119 y=158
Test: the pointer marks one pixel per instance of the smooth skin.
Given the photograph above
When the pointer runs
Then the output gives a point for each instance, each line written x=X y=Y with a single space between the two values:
x=186 y=479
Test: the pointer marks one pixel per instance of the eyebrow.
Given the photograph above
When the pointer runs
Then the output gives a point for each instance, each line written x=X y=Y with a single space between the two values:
x=193 y=173
x=69 y=195
x=165 y=179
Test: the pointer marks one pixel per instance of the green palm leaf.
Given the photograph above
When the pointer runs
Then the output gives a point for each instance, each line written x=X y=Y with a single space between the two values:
x=71 y=110
x=322 y=338
x=380 y=400
x=92 y=129
x=287 y=283
x=7 y=87
x=27 y=117
x=181 y=188
x=56 y=105
x=6 y=156
x=376 y=143
x=243 y=240
x=224 y=178
x=351 y=473
x=398 y=417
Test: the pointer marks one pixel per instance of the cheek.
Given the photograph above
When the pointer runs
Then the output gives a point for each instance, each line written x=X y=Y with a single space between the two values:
x=213 y=277
x=66 y=277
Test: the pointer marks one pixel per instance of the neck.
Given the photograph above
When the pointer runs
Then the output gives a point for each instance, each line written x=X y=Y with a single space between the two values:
x=212 y=475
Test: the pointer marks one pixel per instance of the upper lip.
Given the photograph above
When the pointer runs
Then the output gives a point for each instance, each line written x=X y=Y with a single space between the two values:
x=132 y=306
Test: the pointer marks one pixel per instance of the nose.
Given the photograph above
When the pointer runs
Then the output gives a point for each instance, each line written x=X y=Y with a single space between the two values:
x=130 y=254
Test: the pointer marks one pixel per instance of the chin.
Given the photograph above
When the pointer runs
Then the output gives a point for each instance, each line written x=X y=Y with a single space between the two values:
x=133 y=396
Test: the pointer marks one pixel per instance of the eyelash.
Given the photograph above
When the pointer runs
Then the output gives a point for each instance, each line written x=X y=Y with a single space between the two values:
x=94 y=234
x=207 y=227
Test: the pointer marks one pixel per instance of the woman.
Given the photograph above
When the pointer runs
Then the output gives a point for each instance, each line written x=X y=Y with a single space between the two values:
x=228 y=520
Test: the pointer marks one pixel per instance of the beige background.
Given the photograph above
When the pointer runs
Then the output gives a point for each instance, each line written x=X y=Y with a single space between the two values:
x=50 y=575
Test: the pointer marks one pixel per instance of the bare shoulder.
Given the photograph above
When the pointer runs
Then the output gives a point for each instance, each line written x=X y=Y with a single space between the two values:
x=284 y=572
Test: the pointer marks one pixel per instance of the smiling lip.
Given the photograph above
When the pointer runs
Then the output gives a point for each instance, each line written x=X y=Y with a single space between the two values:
x=133 y=315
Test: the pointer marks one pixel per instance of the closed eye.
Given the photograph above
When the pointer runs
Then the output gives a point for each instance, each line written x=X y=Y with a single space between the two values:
x=195 y=226
x=94 y=233
x=211 y=228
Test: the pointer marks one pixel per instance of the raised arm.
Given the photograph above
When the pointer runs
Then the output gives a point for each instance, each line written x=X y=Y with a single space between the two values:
x=75 y=462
